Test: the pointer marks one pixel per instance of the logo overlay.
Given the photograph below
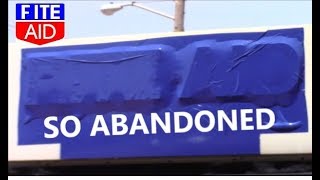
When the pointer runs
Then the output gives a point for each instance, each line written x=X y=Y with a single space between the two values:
x=40 y=23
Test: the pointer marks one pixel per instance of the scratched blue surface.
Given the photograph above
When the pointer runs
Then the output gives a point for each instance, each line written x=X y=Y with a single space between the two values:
x=188 y=73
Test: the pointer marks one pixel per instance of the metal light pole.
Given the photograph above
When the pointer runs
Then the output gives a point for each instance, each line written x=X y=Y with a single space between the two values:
x=179 y=15
x=178 y=18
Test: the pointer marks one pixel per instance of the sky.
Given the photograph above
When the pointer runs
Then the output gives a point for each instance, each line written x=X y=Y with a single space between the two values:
x=84 y=19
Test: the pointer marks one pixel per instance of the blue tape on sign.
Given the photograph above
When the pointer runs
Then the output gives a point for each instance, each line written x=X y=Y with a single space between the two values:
x=232 y=75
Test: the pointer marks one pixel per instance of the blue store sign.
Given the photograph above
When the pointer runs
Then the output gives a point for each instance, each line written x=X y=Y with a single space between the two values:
x=194 y=95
